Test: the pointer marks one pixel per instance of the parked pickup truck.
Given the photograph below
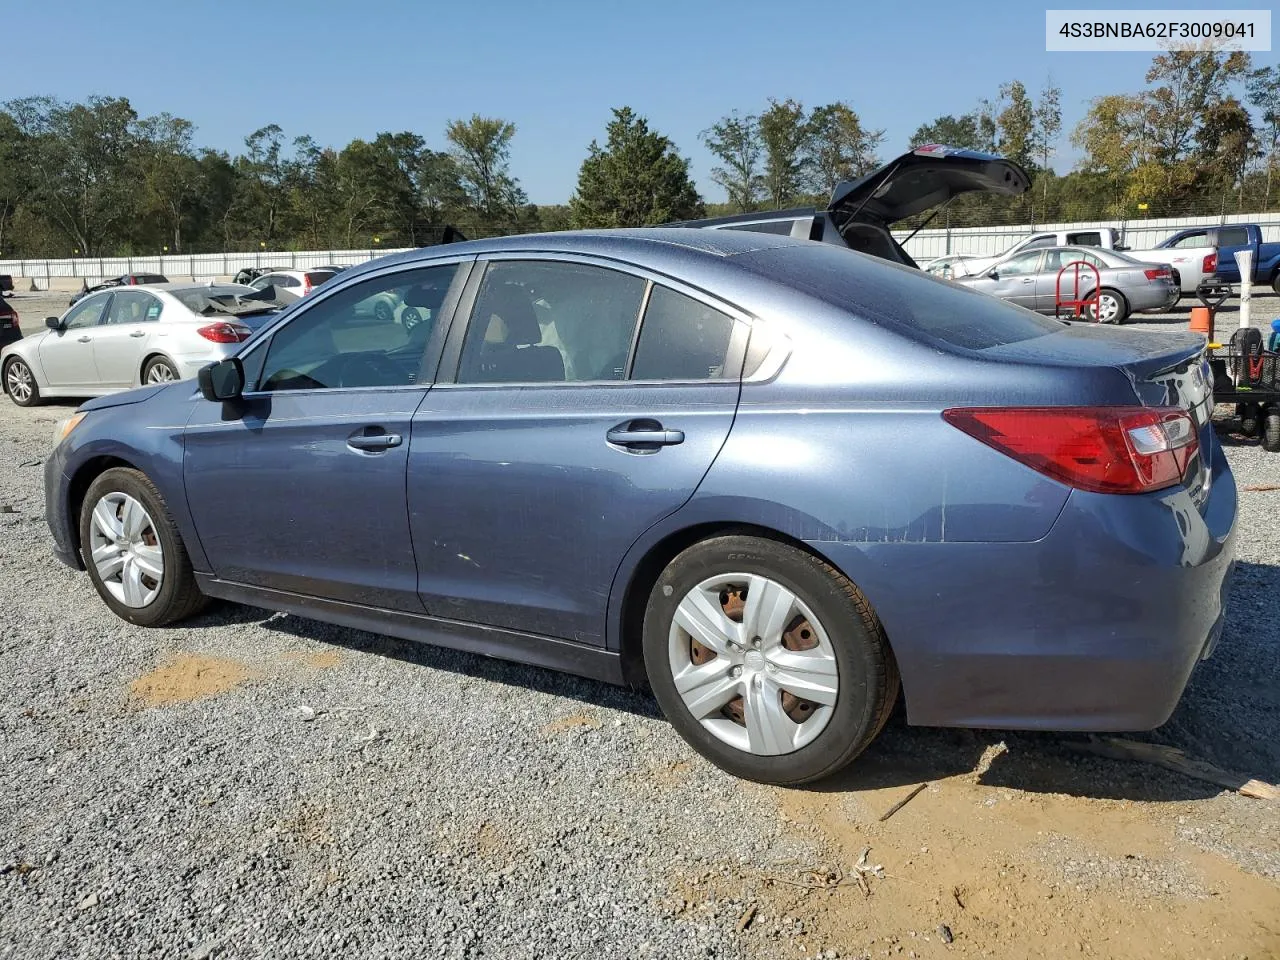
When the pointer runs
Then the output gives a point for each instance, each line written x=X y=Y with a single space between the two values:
x=1107 y=238
x=1190 y=255
x=1230 y=239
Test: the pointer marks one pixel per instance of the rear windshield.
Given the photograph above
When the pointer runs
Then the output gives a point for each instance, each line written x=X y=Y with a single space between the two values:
x=318 y=277
x=912 y=301
x=149 y=278
x=218 y=300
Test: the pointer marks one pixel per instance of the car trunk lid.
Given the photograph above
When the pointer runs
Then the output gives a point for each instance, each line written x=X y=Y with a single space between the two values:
x=917 y=181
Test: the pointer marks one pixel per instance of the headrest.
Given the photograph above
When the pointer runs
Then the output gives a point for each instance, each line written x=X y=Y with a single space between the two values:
x=426 y=295
x=513 y=305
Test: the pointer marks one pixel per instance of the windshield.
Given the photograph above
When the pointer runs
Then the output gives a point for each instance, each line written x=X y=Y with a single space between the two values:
x=215 y=301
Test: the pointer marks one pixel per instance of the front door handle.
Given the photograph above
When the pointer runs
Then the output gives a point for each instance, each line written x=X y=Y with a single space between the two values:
x=373 y=442
x=644 y=433
x=138 y=333
x=84 y=340
x=1029 y=280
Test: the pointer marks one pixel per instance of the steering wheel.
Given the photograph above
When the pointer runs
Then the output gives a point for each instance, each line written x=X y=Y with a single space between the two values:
x=368 y=370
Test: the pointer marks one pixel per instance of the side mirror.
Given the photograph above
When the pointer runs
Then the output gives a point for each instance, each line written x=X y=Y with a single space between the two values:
x=222 y=381
x=53 y=323
x=993 y=274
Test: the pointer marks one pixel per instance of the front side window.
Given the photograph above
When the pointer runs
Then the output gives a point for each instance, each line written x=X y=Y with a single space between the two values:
x=373 y=334
x=1022 y=264
x=682 y=339
x=1047 y=240
x=549 y=322
x=1192 y=240
x=87 y=313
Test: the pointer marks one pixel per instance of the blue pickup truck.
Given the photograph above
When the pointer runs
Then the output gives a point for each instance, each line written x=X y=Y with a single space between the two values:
x=1231 y=238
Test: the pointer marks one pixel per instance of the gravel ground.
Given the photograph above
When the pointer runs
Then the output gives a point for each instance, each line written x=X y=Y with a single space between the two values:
x=257 y=785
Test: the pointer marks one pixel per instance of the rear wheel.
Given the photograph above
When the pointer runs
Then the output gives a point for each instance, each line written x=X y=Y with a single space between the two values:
x=159 y=370
x=1250 y=415
x=1271 y=432
x=1275 y=281
x=133 y=552
x=1112 y=307
x=410 y=317
x=21 y=383
x=767 y=660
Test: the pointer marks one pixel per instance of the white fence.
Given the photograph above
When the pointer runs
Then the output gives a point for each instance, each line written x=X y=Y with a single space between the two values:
x=924 y=246
x=198 y=266
x=1138 y=234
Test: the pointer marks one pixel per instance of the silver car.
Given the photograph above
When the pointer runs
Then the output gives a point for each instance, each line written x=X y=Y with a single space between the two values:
x=124 y=337
x=1031 y=279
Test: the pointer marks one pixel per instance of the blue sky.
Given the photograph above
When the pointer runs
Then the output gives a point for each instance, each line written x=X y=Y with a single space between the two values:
x=344 y=70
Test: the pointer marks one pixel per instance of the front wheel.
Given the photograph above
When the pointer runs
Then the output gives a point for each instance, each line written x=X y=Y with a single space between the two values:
x=21 y=383
x=768 y=661
x=133 y=552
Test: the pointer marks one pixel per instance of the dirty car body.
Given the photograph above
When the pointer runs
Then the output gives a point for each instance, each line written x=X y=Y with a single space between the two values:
x=512 y=518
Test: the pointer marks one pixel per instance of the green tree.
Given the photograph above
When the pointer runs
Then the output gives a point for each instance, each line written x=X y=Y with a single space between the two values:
x=481 y=149
x=1264 y=94
x=15 y=180
x=735 y=142
x=1015 y=123
x=784 y=133
x=636 y=179
x=840 y=147
x=1184 y=84
x=1047 y=130
x=170 y=174
x=961 y=131
x=81 y=158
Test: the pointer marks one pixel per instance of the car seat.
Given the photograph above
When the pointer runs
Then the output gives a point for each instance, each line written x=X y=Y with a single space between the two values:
x=510 y=351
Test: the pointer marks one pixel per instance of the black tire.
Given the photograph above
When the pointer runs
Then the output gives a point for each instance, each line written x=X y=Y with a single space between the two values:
x=178 y=597
x=1271 y=432
x=410 y=317
x=868 y=675
x=1250 y=415
x=1275 y=282
x=1122 y=305
x=158 y=363
x=15 y=368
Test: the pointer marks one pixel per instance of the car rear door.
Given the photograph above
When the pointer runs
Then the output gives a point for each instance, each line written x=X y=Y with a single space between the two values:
x=563 y=436
x=301 y=486
x=119 y=340
x=66 y=355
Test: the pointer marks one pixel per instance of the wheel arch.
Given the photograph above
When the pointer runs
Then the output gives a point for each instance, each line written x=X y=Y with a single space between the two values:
x=81 y=480
x=629 y=617
x=154 y=355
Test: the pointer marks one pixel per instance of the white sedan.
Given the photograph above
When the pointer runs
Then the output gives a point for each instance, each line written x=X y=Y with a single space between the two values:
x=128 y=336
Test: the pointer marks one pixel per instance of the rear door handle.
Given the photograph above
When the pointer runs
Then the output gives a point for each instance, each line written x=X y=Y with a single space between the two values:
x=84 y=340
x=373 y=442
x=138 y=333
x=644 y=433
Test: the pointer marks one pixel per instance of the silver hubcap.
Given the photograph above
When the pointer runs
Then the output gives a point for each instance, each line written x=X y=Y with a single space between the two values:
x=20 y=381
x=126 y=551
x=1108 y=308
x=161 y=373
x=753 y=664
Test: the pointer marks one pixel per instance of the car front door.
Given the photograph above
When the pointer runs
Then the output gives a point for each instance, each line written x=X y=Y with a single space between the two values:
x=1014 y=280
x=301 y=486
x=66 y=354
x=1048 y=287
x=562 y=437
x=118 y=342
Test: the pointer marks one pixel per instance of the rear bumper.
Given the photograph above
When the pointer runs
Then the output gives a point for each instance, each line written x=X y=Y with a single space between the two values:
x=1097 y=626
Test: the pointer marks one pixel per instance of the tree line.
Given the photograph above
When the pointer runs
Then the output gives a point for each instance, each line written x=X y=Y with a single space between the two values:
x=94 y=178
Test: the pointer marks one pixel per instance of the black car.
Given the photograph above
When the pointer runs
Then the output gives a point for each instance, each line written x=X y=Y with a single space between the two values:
x=861 y=212
x=247 y=275
x=128 y=280
x=10 y=332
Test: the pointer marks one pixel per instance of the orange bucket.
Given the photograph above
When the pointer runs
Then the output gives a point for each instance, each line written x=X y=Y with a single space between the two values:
x=1202 y=321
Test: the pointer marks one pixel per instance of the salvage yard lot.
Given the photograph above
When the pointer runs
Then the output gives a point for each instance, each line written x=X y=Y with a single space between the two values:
x=253 y=784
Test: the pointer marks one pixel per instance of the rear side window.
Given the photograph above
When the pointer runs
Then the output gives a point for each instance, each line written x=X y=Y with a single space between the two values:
x=682 y=339
x=1093 y=239
x=1232 y=236
x=317 y=277
x=911 y=301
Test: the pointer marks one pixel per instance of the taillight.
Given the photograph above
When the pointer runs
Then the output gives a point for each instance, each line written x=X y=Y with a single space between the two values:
x=225 y=332
x=1157 y=274
x=306 y=284
x=1099 y=449
x=1210 y=263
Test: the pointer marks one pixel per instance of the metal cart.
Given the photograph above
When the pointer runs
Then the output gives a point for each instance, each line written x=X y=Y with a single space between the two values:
x=1248 y=375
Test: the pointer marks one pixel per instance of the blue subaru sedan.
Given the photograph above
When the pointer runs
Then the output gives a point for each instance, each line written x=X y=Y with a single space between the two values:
x=777 y=482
